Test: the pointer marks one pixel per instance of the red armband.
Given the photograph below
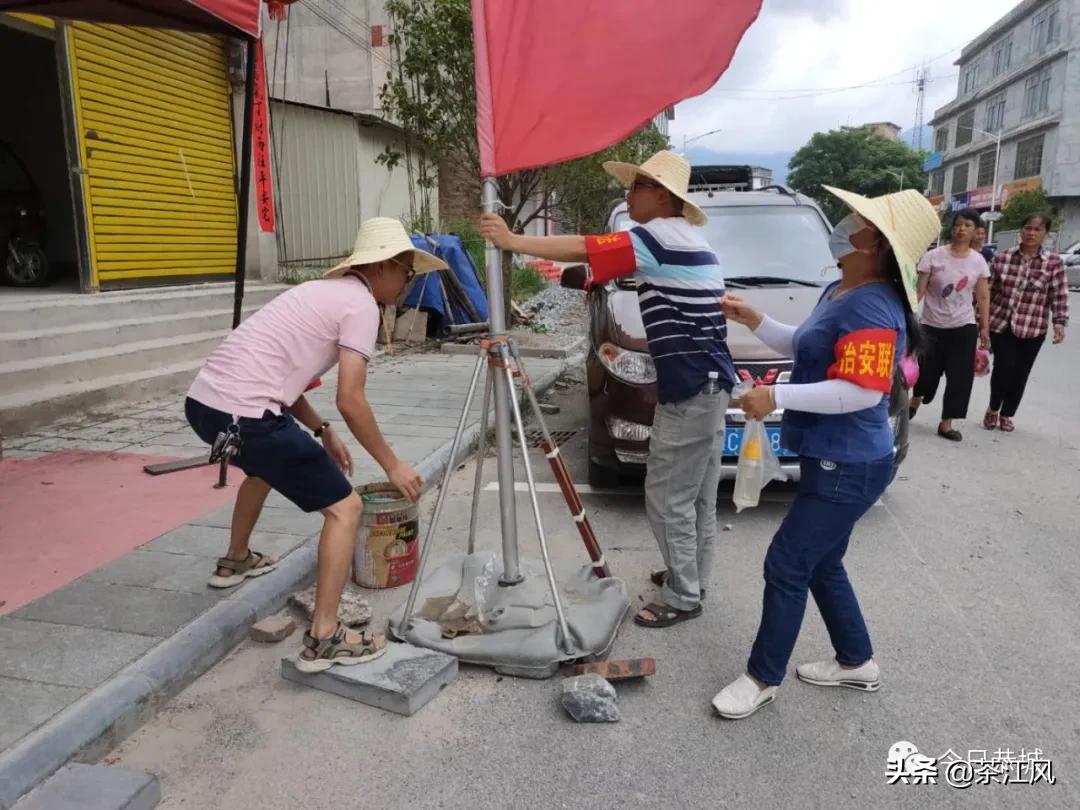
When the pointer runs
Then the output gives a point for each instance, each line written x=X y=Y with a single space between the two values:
x=313 y=384
x=610 y=256
x=866 y=357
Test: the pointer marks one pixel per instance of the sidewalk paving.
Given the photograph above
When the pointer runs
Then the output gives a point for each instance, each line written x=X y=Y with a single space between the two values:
x=86 y=663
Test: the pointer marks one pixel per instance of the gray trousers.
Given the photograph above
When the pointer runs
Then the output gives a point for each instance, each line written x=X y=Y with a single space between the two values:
x=680 y=491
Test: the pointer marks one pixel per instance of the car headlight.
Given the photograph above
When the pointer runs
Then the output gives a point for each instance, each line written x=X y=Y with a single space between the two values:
x=628 y=431
x=632 y=367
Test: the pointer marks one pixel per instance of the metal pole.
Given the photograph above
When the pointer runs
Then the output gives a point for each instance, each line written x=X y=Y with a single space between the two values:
x=504 y=440
x=994 y=190
x=443 y=488
x=481 y=452
x=563 y=628
x=245 y=185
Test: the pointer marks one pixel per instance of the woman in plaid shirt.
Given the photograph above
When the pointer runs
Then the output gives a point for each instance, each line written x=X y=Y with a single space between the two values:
x=1027 y=292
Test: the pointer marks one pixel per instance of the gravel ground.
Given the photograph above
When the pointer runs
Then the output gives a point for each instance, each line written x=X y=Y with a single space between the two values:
x=559 y=311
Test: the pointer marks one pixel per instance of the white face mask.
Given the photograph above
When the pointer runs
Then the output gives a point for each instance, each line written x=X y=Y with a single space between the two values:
x=840 y=238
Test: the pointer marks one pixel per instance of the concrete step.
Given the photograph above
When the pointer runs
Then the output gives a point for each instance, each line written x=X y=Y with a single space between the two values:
x=23 y=411
x=86 y=366
x=46 y=343
x=23 y=313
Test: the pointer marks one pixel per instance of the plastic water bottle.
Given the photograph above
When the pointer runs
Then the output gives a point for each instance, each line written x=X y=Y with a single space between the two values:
x=750 y=472
x=713 y=386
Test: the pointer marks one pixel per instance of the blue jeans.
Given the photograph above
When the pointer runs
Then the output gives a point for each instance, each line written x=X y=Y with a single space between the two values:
x=807 y=554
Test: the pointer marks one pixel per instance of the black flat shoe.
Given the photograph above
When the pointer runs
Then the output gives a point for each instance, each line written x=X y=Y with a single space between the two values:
x=952 y=435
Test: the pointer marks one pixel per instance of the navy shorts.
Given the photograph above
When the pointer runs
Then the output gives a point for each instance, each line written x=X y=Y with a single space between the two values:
x=280 y=452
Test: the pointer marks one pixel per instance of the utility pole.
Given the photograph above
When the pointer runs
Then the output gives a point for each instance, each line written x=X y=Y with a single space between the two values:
x=922 y=78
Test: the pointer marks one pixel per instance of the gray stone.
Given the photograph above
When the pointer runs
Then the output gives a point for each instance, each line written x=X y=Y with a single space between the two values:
x=590 y=699
x=95 y=787
x=353 y=608
x=549 y=408
x=273 y=628
x=145 y=611
x=157 y=569
x=274 y=519
x=212 y=541
x=402 y=680
x=25 y=705
x=63 y=655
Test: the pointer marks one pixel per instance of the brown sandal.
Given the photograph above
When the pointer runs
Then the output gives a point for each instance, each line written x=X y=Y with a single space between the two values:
x=254 y=565
x=665 y=615
x=990 y=421
x=319 y=654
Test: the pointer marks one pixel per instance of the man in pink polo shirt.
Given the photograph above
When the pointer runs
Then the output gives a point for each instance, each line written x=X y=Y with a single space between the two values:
x=253 y=385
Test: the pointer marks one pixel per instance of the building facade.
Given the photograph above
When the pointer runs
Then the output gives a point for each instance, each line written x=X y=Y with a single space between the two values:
x=1019 y=82
x=326 y=64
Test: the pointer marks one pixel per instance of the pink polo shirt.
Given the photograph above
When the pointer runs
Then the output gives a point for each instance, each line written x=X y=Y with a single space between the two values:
x=273 y=356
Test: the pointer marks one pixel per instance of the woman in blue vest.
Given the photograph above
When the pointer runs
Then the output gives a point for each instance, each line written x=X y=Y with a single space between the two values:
x=836 y=418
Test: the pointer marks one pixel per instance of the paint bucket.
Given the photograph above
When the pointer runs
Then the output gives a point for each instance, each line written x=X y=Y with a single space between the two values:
x=387 y=548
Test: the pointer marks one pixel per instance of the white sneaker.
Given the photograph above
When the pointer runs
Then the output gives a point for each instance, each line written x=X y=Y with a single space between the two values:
x=741 y=698
x=865 y=678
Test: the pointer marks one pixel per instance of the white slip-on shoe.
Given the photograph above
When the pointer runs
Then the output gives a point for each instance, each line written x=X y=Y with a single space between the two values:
x=865 y=678
x=741 y=698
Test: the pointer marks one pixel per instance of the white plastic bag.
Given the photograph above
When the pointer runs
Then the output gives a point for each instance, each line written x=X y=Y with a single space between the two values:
x=758 y=465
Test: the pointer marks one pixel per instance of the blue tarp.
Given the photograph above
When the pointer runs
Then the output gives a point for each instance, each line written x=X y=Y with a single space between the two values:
x=425 y=293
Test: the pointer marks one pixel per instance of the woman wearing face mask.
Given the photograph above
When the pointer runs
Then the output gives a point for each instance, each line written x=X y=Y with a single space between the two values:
x=949 y=277
x=836 y=418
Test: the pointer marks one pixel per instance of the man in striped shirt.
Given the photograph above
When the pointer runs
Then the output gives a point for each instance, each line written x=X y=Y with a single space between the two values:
x=679 y=281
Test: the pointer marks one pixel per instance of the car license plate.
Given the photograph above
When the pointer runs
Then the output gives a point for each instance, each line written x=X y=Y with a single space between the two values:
x=733 y=441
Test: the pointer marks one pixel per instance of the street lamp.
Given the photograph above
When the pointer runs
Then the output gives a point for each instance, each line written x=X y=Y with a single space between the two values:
x=897 y=175
x=686 y=140
x=994 y=193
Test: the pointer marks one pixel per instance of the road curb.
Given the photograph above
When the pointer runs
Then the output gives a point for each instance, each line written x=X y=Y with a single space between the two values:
x=526 y=352
x=95 y=723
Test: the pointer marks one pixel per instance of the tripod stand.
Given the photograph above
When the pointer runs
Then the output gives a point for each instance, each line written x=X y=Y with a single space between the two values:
x=514 y=593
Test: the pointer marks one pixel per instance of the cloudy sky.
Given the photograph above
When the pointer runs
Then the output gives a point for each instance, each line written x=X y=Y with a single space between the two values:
x=798 y=47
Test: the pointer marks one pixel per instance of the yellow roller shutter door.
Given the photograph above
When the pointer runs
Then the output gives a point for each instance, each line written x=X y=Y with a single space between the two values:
x=155 y=132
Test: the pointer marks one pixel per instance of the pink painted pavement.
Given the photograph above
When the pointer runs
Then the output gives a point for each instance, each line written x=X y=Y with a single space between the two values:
x=67 y=513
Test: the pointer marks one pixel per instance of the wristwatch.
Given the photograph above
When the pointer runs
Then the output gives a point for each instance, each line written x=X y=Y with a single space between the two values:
x=319 y=430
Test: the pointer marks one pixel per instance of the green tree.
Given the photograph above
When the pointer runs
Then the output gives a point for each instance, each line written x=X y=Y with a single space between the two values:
x=1023 y=204
x=431 y=93
x=856 y=159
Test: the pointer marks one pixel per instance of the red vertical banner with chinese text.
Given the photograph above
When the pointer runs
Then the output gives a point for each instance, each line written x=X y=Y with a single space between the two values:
x=260 y=145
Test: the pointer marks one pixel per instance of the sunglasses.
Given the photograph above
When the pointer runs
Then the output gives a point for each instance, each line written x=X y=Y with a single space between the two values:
x=410 y=274
x=643 y=184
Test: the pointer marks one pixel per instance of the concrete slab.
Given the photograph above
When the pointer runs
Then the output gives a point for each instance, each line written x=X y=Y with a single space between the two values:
x=402 y=680
x=186 y=573
x=212 y=541
x=63 y=655
x=289 y=520
x=25 y=705
x=127 y=609
x=95 y=787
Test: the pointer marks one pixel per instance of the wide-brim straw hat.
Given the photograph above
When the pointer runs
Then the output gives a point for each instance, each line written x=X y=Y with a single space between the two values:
x=907 y=221
x=667 y=169
x=382 y=238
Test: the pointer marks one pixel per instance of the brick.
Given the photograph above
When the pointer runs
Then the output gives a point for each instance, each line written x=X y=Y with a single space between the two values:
x=273 y=628
x=620 y=669
x=94 y=787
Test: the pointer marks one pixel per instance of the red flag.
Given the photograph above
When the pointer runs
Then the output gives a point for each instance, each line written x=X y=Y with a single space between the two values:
x=559 y=79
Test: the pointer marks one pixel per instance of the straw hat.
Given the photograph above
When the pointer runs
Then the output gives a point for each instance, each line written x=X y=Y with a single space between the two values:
x=667 y=169
x=907 y=220
x=382 y=238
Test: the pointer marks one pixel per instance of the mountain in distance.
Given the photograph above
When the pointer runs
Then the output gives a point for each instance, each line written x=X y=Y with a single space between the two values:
x=927 y=137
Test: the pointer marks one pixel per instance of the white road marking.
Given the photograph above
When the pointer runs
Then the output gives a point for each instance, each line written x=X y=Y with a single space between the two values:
x=582 y=489
x=585 y=489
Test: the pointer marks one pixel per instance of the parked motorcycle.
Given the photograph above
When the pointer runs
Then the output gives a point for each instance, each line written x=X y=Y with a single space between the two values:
x=23 y=262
